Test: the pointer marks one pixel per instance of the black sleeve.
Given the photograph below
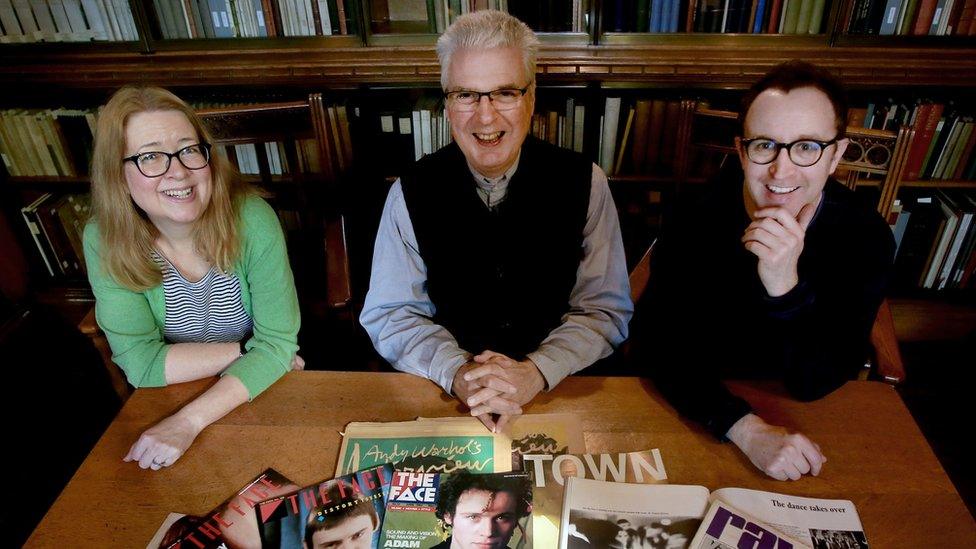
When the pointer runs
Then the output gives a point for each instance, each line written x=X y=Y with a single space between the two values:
x=671 y=330
x=824 y=323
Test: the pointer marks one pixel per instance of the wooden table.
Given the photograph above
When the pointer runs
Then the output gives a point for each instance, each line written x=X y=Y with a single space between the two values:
x=877 y=457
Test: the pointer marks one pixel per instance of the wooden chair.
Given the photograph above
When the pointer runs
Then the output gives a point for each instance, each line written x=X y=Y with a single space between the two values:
x=641 y=274
x=882 y=155
x=315 y=153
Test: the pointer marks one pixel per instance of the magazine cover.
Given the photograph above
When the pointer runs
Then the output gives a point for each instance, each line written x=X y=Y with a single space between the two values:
x=343 y=512
x=617 y=514
x=157 y=538
x=725 y=527
x=532 y=433
x=458 y=511
x=423 y=446
x=550 y=471
x=230 y=525
x=820 y=523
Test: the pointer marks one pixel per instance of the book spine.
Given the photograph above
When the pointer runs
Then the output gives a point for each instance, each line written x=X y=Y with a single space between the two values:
x=906 y=17
x=890 y=18
x=772 y=26
x=925 y=125
x=792 y=16
x=29 y=214
x=341 y=15
x=926 y=13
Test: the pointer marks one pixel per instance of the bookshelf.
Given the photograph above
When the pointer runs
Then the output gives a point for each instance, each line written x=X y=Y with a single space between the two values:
x=382 y=64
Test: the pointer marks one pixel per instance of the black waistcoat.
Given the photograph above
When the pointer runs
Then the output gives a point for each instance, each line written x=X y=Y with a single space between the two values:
x=500 y=279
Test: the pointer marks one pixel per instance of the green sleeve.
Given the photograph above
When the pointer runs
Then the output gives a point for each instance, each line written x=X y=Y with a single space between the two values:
x=127 y=320
x=274 y=302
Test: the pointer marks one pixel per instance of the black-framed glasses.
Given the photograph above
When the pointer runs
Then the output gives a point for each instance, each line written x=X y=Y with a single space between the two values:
x=156 y=163
x=802 y=152
x=502 y=99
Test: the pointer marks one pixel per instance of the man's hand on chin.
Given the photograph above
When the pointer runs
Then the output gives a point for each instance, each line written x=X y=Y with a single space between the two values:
x=496 y=384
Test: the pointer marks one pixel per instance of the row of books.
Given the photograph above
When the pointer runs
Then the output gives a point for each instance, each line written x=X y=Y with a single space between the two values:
x=944 y=142
x=277 y=158
x=912 y=17
x=936 y=239
x=446 y=11
x=717 y=16
x=57 y=223
x=561 y=128
x=640 y=140
x=434 y=16
x=46 y=142
x=545 y=493
x=66 y=21
x=250 y=18
x=403 y=136
x=58 y=143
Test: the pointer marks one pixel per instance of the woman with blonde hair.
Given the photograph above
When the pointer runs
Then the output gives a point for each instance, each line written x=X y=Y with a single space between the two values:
x=188 y=266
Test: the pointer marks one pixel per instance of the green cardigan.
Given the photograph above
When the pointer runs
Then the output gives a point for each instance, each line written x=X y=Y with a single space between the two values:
x=133 y=321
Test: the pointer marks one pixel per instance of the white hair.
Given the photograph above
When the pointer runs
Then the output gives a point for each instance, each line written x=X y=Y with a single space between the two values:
x=487 y=29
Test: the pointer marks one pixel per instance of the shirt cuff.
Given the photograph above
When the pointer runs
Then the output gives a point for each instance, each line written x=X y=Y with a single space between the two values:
x=550 y=369
x=445 y=377
x=724 y=416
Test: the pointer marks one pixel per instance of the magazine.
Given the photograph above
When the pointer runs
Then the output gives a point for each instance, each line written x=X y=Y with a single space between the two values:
x=553 y=434
x=616 y=514
x=231 y=524
x=430 y=446
x=606 y=514
x=338 y=512
x=549 y=473
x=157 y=539
x=434 y=510
x=819 y=523
x=725 y=527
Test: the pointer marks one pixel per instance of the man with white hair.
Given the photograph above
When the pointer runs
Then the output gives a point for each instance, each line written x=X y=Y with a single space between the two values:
x=499 y=266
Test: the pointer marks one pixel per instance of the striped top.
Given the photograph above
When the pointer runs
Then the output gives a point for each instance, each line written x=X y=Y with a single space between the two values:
x=206 y=311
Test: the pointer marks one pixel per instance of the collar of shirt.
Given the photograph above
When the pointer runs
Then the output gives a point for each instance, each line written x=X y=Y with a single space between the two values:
x=493 y=191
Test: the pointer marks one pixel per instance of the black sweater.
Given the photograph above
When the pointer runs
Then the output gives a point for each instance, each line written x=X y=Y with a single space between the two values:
x=500 y=279
x=706 y=316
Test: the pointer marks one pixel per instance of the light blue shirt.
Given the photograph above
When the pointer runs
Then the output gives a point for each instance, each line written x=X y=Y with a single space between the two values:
x=398 y=313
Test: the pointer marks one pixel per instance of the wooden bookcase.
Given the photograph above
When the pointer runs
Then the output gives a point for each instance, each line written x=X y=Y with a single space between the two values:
x=679 y=65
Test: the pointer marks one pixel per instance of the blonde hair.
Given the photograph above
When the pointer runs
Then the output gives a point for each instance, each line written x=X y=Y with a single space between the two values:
x=127 y=234
x=487 y=29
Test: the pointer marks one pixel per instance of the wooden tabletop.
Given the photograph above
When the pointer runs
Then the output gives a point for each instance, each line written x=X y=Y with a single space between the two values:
x=877 y=457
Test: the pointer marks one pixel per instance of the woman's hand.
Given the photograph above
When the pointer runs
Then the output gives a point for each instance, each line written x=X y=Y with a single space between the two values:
x=164 y=443
x=297 y=363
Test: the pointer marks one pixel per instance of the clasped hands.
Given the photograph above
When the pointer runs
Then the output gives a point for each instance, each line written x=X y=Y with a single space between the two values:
x=493 y=384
